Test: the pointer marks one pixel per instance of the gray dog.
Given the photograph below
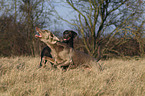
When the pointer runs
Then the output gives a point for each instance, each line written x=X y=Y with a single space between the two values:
x=65 y=55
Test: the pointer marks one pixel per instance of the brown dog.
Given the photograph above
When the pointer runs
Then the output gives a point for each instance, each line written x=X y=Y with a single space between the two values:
x=65 y=55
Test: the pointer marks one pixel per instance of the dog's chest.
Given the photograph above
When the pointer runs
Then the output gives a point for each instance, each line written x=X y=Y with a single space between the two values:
x=64 y=54
x=56 y=49
x=60 y=52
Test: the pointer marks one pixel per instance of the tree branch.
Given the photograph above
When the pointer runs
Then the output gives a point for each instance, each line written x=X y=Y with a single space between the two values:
x=117 y=7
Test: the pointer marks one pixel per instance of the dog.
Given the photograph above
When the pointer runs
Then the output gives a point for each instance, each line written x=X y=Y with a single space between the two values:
x=68 y=37
x=76 y=58
x=65 y=55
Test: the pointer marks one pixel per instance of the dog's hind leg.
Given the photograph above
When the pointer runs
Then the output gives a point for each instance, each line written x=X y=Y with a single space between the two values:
x=42 y=62
x=95 y=66
x=46 y=52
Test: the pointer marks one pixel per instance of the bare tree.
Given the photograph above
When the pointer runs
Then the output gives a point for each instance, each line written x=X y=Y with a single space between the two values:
x=18 y=20
x=34 y=13
x=103 y=19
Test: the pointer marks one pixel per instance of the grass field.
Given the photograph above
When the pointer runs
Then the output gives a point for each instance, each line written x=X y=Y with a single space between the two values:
x=20 y=76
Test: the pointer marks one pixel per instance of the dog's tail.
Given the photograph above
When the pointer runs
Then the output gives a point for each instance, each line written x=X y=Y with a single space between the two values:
x=96 y=66
x=100 y=66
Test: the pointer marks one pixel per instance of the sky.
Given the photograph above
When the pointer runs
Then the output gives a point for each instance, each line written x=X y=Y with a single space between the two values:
x=65 y=11
x=61 y=7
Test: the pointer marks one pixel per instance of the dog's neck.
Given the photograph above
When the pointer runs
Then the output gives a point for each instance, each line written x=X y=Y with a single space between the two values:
x=52 y=46
x=55 y=47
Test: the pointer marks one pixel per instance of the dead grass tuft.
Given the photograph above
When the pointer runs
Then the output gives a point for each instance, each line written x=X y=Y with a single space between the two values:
x=20 y=76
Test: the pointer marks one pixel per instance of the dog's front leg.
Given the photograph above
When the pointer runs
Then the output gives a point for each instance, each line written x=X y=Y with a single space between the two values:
x=57 y=65
x=49 y=59
x=68 y=63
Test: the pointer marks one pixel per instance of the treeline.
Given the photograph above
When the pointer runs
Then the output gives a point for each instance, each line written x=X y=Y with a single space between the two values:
x=15 y=41
x=98 y=27
x=17 y=26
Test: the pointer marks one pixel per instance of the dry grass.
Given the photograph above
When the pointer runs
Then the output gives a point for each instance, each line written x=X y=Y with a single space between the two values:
x=19 y=76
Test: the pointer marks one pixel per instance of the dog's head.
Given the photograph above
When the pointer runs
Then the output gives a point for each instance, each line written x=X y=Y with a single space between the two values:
x=68 y=35
x=46 y=36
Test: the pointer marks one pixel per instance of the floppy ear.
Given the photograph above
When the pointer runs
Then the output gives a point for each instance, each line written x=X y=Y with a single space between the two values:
x=65 y=32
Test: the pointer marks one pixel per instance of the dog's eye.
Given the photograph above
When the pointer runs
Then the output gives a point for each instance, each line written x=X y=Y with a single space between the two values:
x=51 y=34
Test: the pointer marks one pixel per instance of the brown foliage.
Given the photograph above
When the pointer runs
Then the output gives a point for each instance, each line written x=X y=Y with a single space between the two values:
x=17 y=39
x=116 y=47
x=129 y=48
x=14 y=39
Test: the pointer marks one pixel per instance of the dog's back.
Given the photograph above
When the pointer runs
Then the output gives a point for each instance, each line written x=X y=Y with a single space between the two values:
x=77 y=57
x=81 y=58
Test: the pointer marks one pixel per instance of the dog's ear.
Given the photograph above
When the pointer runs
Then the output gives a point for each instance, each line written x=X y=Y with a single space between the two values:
x=65 y=32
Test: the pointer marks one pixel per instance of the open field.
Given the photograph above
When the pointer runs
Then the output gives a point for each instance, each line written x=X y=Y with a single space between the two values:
x=20 y=76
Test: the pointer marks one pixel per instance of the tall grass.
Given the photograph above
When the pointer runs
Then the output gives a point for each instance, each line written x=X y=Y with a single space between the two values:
x=20 y=76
